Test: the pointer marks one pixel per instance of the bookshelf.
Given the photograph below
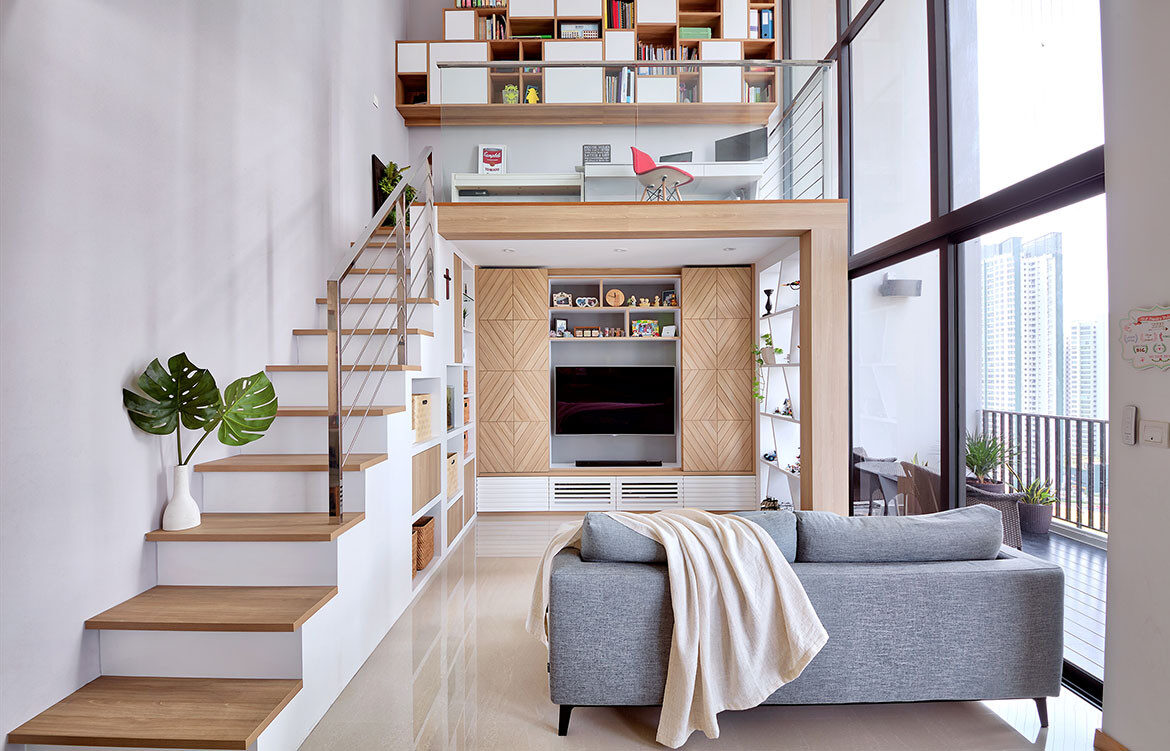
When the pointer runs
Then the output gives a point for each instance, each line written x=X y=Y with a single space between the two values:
x=626 y=36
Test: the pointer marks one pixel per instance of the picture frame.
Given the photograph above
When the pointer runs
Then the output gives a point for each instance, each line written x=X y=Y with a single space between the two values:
x=562 y=300
x=642 y=328
x=670 y=331
x=586 y=302
x=560 y=326
x=492 y=159
x=670 y=298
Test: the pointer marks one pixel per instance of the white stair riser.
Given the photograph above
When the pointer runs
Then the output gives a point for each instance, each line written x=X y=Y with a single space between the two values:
x=310 y=435
x=277 y=492
x=360 y=348
x=420 y=316
x=371 y=285
x=201 y=654
x=310 y=388
x=248 y=564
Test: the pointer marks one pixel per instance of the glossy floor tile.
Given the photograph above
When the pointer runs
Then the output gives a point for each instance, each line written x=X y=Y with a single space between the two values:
x=459 y=672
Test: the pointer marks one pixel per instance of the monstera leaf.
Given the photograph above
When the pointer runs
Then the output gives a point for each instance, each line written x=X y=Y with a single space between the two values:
x=182 y=392
x=248 y=408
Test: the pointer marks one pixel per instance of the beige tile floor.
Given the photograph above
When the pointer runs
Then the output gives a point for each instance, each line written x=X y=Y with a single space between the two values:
x=459 y=672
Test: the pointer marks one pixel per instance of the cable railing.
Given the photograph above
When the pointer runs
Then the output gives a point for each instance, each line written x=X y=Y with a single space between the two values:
x=733 y=130
x=1070 y=453
x=407 y=249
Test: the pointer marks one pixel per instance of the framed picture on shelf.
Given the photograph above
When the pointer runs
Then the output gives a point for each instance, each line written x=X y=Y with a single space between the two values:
x=562 y=300
x=560 y=326
x=644 y=328
x=670 y=331
x=670 y=298
x=493 y=159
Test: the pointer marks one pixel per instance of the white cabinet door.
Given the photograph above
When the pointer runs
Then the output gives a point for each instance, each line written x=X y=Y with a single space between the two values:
x=458 y=24
x=656 y=11
x=721 y=493
x=573 y=85
x=720 y=84
x=619 y=45
x=458 y=86
x=511 y=494
x=735 y=19
x=579 y=8
x=530 y=8
x=657 y=89
x=649 y=493
x=412 y=57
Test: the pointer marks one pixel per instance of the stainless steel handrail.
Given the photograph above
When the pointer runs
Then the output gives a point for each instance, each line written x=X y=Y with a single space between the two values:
x=420 y=177
x=509 y=64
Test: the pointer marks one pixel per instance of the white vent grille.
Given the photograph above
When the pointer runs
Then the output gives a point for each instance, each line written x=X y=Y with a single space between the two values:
x=581 y=494
x=649 y=493
x=722 y=493
x=511 y=494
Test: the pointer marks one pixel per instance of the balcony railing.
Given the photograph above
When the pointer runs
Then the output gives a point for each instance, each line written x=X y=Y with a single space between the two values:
x=1070 y=453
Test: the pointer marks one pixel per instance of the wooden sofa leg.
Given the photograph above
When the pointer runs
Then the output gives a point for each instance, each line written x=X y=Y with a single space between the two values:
x=1041 y=709
x=566 y=710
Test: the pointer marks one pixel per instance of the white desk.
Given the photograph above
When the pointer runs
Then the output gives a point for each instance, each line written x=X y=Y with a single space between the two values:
x=517 y=187
x=717 y=180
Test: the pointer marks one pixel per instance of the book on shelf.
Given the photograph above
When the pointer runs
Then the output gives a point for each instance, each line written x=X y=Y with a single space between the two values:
x=688 y=92
x=759 y=92
x=689 y=53
x=481 y=3
x=694 y=32
x=767 y=24
x=655 y=52
x=619 y=86
x=493 y=27
x=619 y=14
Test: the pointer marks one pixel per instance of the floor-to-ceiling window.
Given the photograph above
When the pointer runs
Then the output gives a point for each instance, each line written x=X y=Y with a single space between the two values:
x=971 y=153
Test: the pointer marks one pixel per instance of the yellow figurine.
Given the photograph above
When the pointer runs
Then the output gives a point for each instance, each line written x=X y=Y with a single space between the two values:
x=532 y=96
x=644 y=303
x=657 y=304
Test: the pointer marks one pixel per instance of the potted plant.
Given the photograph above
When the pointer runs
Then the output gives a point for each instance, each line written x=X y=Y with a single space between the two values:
x=765 y=355
x=1036 y=499
x=183 y=395
x=388 y=183
x=985 y=455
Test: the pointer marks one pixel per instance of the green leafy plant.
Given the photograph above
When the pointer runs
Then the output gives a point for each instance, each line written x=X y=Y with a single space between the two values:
x=1037 y=492
x=389 y=182
x=758 y=354
x=985 y=454
x=183 y=395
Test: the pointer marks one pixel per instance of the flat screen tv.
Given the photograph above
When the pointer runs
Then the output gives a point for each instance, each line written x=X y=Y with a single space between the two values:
x=637 y=400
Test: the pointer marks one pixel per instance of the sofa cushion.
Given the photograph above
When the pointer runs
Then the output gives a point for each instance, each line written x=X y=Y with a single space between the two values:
x=973 y=533
x=604 y=539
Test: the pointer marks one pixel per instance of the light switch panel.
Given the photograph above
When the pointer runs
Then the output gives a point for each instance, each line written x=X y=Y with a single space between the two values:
x=1155 y=433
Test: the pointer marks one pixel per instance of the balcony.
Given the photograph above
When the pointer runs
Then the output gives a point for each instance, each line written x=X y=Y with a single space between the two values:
x=521 y=131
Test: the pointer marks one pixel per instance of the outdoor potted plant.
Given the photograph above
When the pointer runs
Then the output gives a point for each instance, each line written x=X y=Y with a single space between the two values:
x=1036 y=499
x=986 y=454
x=765 y=355
x=183 y=395
x=388 y=183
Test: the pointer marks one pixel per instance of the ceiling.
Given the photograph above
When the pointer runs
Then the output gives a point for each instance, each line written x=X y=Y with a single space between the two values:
x=639 y=253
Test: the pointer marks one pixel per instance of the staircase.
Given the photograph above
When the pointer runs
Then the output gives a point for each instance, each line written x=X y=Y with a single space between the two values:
x=302 y=562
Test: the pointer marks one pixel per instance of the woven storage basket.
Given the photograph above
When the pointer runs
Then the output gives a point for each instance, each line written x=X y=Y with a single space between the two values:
x=425 y=550
x=414 y=549
x=454 y=476
x=421 y=417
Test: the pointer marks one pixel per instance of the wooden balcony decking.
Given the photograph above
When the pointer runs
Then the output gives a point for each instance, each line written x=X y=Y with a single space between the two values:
x=1084 y=597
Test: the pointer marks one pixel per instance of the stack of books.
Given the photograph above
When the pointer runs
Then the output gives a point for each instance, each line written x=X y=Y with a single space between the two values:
x=655 y=52
x=493 y=27
x=690 y=53
x=759 y=92
x=619 y=86
x=619 y=14
x=481 y=3
x=694 y=32
x=761 y=24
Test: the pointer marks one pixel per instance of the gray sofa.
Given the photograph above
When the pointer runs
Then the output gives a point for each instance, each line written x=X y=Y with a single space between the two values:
x=917 y=608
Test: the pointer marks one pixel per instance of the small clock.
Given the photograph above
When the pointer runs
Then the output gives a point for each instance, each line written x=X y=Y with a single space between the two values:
x=614 y=298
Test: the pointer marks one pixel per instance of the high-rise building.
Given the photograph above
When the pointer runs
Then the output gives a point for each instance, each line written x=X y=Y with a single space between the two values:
x=1023 y=325
x=1082 y=370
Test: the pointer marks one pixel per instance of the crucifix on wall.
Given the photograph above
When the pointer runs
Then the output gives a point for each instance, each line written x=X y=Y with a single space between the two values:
x=447 y=278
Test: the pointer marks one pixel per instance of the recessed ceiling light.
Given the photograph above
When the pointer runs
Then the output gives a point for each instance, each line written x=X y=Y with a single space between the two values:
x=620 y=250
x=509 y=250
x=728 y=250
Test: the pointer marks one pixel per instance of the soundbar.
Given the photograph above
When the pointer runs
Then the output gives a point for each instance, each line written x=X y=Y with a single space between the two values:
x=618 y=463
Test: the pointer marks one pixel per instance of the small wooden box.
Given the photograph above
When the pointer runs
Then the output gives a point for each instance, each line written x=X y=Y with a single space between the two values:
x=465 y=381
x=422 y=416
x=454 y=476
x=466 y=410
x=424 y=550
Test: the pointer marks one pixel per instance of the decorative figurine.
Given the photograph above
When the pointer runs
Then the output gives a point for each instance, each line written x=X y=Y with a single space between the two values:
x=770 y=456
x=670 y=298
x=644 y=302
x=657 y=301
x=532 y=96
x=786 y=410
x=511 y=94
x=769 y=504
x=768 y=301
x=632 y=301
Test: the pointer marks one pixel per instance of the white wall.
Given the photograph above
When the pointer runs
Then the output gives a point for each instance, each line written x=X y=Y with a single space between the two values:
x=173 y=176
x=1137 y=652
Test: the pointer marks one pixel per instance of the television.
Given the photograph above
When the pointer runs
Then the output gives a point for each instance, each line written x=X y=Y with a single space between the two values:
x=595 y=400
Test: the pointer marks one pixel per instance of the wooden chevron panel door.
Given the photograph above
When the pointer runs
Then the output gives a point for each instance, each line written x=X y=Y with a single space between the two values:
x=493 y=293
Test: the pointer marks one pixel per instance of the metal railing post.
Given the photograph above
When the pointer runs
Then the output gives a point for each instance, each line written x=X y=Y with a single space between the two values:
x=333 y=327
x=400 y=268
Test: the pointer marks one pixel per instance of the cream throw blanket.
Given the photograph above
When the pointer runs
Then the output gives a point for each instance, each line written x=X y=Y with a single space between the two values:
x=743 y=625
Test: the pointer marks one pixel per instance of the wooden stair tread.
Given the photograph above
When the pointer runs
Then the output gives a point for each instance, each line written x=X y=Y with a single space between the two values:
x=380 y=300
x=171 y=608
x=287 y=463
x=375 y=411
x=324 y=368
x=362 y=332
x=299 y=527
x=216 y=713
x=372 y=271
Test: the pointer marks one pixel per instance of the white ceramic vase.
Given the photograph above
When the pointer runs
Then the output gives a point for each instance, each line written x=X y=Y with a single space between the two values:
x=181 y=512
x=768 y=355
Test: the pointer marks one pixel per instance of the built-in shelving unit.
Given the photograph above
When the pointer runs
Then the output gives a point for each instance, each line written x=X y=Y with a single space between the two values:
x=601 y=303
x=779 y=383
x=628 y=37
